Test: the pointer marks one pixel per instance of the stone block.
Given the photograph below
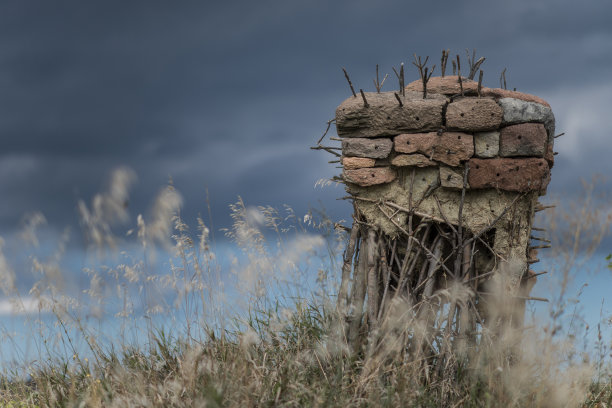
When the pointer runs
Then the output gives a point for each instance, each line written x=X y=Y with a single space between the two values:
x=384 y=116
x=452 y=177
x=450 y=147
x=370 y=177
x=519 y=175
x=351 y=163
x=416 y=159
x=369 y=148
x=550 y=155
x=449 y=85
x=499 y=93
x=525 y=139
x=519 y=111
x=486 y=144
x=474 y=114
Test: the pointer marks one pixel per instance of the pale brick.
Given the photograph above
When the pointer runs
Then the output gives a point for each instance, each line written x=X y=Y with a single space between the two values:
x=369 y=148
x=351 y=163
x=416 y=159
x=474 y=114
x=449 y=85
x=384 y=116
x=486 y=144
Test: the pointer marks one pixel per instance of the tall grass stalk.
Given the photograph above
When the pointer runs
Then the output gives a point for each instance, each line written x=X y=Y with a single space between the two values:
x=262 y=328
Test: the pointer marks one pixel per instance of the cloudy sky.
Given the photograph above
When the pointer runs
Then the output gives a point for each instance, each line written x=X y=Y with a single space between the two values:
x=228 y=96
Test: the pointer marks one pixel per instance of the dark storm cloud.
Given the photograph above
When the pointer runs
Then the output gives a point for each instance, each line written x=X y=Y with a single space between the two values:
x=229 y=95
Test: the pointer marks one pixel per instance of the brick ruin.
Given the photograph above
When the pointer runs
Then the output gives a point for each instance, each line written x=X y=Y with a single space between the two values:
x=444 y=189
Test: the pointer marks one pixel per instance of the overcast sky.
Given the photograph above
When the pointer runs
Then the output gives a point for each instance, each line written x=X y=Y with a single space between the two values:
x=228 y=96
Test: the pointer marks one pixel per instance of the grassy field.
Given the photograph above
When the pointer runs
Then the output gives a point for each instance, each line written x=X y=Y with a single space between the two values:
x=274 y=338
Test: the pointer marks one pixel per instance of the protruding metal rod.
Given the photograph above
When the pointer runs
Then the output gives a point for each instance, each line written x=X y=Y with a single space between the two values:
x=365 y=101
x=443 y=61
x=399 y=100
x=349 y=82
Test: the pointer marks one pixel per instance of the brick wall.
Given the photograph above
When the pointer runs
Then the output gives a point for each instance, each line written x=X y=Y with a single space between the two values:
x=504 y=137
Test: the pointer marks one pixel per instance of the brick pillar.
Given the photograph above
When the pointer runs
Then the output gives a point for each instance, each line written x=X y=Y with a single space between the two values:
x=457 y=173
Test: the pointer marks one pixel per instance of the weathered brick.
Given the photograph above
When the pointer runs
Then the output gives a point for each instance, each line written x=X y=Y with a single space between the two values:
x=370 y=177
x=499 y=93
x=452 y=177
x=486 y=144
x=450 y=147
x=525 y=139
x=369 y=148
x=449 y=85
x=518 y=175
x=415 y=159
x=385 y=117
x=351 y=163
x=474 y=114
x=550 y=155
x=519 y=111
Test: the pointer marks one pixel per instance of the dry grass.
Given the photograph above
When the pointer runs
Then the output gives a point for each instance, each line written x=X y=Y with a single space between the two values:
x=274 y=338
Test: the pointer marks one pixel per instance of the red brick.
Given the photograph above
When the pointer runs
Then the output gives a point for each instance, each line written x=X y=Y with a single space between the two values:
x=550 y=155
x=525 y=139
x=518 y=175
x=450 y=147
x=474 y=114
x=351 y=163
x=449 y=85
x=370 y=177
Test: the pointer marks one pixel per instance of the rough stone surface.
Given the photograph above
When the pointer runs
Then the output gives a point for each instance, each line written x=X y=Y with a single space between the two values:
x=426 y=180
x=385 y=117
x=486 y=144
x=473 y=114
x=519 y=175
x=518 y=111
x=370 y=177
x=449 y=85
x=550 y=156
x=415 y=159
x=450 y=148
x=451 y=177
x=499 y=93
x=351 y=163
x=480 y=208
x=369 y=148
x=525 y=139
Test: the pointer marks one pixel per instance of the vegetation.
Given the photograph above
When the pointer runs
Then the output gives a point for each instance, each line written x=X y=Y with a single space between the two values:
x=258 y=330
